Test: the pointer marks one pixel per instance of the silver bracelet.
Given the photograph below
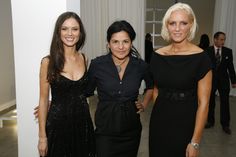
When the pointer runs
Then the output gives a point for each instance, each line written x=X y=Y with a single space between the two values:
x=195 y=145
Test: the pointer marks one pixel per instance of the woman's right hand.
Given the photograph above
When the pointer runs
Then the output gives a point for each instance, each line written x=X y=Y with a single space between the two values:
x=43 y=146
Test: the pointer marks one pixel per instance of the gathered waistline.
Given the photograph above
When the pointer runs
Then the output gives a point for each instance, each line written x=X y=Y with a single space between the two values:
x=118 y=102
x=123 y=105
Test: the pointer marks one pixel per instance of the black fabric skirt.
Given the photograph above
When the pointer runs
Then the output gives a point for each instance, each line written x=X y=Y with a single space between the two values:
x=118 y=129
x=172 y=123
x=70 y=134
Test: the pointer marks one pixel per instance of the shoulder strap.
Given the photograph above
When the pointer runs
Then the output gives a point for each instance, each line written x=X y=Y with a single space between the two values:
x=85 y=62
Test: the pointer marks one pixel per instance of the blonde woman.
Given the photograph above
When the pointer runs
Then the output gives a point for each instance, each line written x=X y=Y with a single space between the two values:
x=182 y=76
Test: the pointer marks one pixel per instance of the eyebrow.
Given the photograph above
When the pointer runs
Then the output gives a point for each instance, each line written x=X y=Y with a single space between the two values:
x=70 y=27
x=119 y=40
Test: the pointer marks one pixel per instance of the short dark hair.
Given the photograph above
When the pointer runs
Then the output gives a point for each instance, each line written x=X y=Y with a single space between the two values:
x=119 y=26
x=217 y=34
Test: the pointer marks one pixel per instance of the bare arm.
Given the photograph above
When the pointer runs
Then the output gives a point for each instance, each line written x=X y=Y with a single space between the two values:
x=44 y=96
x=36 y=110
x=204 y=90
x=155 y=93
x=146 y=100
x=43 y=107
x=147 y=97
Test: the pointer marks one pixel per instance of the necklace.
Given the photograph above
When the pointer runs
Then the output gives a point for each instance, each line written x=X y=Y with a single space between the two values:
x=118 y=66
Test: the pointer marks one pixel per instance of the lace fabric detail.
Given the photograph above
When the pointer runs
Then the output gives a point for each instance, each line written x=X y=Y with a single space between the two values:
x=69 y=126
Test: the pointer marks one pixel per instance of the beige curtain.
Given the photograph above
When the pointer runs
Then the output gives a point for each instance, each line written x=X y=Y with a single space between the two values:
x=97 y=15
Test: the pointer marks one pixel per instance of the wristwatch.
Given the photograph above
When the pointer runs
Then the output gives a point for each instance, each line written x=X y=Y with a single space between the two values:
x=195 y=145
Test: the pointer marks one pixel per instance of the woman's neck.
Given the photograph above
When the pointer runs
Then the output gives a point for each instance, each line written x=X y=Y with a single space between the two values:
x=119 y=61
x=120 y=64
x=179 y=47
x=70 y=51
x=71 y=55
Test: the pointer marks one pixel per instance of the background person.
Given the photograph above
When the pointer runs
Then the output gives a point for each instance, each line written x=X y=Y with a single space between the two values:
x=223 y=73
x=204 y=42
x=148 y=48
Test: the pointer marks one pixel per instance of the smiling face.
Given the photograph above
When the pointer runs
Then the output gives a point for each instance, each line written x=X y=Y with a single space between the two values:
x=70 y=32
x=179 y=26
x=120 y=45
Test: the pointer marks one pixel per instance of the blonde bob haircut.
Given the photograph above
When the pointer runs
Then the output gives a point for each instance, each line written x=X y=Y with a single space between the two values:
x=179 y=6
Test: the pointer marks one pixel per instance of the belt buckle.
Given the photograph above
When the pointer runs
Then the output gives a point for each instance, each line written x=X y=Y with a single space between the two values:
x=181 y=95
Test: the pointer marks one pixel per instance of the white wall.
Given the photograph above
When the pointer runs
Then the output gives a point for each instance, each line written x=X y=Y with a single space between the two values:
x=33 y=24
x=7 y=76
x=73 y=5
x=98 y=15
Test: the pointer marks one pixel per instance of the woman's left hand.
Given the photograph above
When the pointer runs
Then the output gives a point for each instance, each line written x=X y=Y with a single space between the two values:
x=191 y=151
x=140 y=107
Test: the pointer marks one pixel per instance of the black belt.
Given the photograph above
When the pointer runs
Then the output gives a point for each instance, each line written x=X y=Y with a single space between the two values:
x=178 y=95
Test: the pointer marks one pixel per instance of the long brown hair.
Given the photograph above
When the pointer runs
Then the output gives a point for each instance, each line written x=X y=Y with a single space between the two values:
x=56 y=57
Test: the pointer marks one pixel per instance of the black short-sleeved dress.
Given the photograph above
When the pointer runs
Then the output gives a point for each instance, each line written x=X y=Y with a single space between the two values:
x=173 y=117
x=69 y=126
x=118 y=127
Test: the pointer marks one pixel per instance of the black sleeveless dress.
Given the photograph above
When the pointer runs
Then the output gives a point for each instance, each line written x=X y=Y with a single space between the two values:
x=69 y=126
x=173 y=117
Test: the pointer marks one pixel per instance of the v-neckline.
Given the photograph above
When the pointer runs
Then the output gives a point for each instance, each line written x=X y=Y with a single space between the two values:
x=125 y=71
x=74 y=80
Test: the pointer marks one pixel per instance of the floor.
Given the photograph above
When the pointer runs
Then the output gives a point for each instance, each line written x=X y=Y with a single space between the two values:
x=215 y=142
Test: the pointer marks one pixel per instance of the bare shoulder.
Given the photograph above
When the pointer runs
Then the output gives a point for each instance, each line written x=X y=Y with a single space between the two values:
x=44 y=68
x=187 y=49
x=196 y=49
x=163 y=50
x=83 y=57
x=45 y=60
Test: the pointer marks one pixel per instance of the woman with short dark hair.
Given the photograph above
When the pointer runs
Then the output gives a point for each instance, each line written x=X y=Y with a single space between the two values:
x=117 y=77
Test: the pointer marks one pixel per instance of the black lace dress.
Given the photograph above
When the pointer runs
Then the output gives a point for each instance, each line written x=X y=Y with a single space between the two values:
x=69 y=126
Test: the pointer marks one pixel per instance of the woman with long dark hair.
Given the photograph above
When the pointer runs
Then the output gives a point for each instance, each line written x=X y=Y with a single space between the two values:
x=66 y=130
